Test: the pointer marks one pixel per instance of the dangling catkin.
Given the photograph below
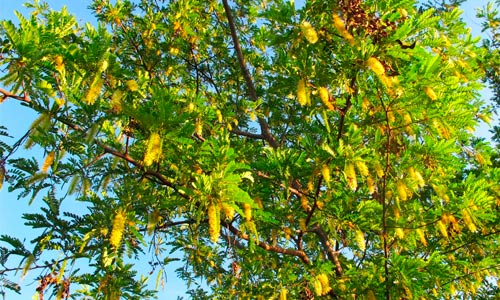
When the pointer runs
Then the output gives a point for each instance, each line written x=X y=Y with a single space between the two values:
x=325 y=98
x=360 y=240
x=421 y=236
x=309 y=32
x=350 y=176
x=247 y=209
x=362 y=168
x=325 y=171
x=283 y=294
x=213 y=222
x=153 y=149
x=325 y=284
x=468 y=220
x=318 y=288
x=118 y=228
x=302 y=93
x=340 y=26
x=48 y=161
x=430 y=93
x=402 y=190
x=376 y=66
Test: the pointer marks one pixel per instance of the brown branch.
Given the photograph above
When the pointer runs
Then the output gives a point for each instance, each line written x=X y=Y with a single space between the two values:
x=332 y=254
x=7 y=94
x=344 y=110
x=264 y=127
x=248 y=134
x=286 y=251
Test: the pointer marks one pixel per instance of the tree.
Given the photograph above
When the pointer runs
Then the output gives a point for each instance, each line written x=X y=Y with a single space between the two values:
x=322 y=151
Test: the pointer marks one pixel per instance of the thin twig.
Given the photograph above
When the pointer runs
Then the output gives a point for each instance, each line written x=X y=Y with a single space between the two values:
x=7 y=94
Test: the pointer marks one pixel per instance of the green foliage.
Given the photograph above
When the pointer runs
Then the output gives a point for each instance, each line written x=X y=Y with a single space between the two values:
x=202 y=130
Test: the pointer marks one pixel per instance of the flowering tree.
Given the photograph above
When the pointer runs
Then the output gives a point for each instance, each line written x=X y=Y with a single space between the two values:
x=322 y=151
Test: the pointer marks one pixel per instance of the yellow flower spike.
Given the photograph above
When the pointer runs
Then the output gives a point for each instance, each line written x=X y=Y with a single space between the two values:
x=94 y=91
x=318 y=288
x=400 y=233
x=174 y=51
x=442 y=228
x=319 y=205
x=402 y=190
x=305 y=203
x=198 y=129
x=468 y=220
x=360 y=240
x=302 y=93
x=288 y=233
x=118 y=228
x=350 y=176
x=283 y=293
x=309 y=32
x=397 y=213
x=132 y=85
x=362 y=168
x=153 y=149
x=420 y=179
x=371 y=185
x=213 y=222
x=421 y=236
x=302 y=224
x=340 y=26
x=247 y=209
x=59 y=62
x=325 y=284
x=376 y=66
x=325 y=171
x=219 y=116
x=228 y=211
x=325 y=98
x=48 y=161
x=430 y=93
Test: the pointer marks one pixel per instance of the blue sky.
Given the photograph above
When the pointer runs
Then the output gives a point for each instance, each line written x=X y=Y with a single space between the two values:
x=18 y=119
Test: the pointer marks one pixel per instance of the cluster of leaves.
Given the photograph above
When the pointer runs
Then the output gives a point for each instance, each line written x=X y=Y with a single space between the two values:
x=326 y=151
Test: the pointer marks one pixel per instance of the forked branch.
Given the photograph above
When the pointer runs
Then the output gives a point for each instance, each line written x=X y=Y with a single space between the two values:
x=264 y=127
x=286 y=251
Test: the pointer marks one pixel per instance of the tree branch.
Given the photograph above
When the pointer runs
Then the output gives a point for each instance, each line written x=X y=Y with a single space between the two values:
x=247 y=134
x=332 y=254
x=264 y=127
x=286 y=251
x=7 y=94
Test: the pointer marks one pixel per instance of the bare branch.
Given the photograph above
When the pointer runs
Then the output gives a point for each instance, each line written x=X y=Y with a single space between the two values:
x=7 y=94
x=264 y=127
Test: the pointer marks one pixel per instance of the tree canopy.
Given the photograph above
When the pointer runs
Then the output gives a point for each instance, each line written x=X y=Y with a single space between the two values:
x=278 y=151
